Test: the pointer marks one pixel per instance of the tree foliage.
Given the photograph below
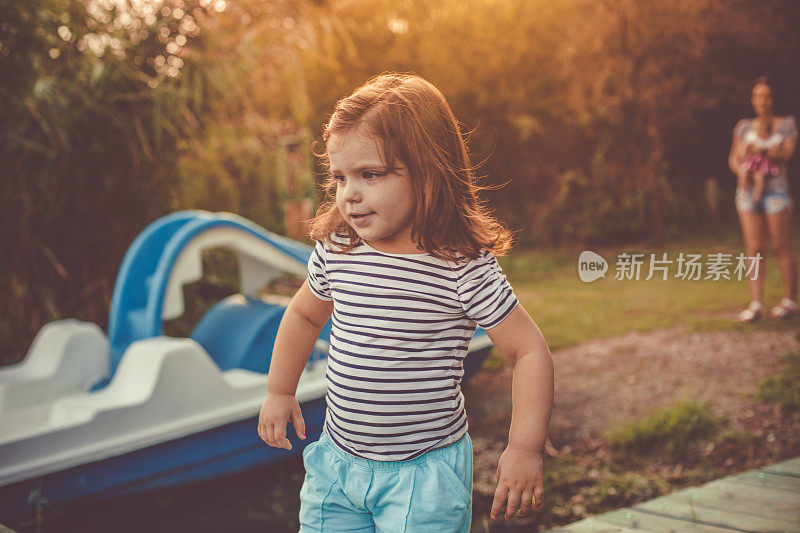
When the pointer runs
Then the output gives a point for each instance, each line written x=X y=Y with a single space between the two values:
x=601 y=118
x=91 y=123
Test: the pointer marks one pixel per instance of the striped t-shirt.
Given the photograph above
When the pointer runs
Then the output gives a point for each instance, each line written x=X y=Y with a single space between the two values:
x=401 y=327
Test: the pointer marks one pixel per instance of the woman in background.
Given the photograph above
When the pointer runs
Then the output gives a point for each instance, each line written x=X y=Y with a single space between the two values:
x=766 y=216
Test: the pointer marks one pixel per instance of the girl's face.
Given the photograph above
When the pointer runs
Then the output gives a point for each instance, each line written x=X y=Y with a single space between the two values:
x=761 y=98
x=376 y=201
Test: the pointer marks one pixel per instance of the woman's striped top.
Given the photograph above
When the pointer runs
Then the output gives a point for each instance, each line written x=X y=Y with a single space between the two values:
x=401 y=327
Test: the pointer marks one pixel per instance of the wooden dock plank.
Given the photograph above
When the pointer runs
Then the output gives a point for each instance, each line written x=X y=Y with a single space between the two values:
x=729 y=517
x=593 y=525
x=790 y=466
x=768 y=479
x=638 y=520
x=747 y=499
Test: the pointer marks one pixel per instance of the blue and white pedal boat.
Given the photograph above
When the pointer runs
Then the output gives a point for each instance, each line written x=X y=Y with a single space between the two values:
x=87 y=414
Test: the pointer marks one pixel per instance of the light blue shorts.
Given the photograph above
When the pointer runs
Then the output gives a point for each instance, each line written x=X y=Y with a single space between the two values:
x=772 y=201
x=344 y=493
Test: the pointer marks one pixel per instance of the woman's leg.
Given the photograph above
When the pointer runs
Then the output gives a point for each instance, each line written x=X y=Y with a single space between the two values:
x=754 y=233
x=780 y=235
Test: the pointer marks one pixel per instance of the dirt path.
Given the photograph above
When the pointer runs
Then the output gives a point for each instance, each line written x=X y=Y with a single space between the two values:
x=601 y=382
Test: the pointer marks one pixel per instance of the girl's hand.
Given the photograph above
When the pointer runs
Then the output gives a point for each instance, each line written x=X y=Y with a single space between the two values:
x=275 y=414
x=520 y=480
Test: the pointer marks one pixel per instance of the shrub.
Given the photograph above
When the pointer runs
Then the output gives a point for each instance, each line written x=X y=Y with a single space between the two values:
x=670 y=430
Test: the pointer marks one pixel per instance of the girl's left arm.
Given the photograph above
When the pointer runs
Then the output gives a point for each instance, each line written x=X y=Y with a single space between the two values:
x=520 y=474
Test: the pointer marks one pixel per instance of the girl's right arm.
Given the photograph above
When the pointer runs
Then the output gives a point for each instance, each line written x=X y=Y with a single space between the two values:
x=297 y=334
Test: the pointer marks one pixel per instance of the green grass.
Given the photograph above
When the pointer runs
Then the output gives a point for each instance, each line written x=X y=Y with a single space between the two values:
x=569 y=311
x=671 y=430
x=783 y=388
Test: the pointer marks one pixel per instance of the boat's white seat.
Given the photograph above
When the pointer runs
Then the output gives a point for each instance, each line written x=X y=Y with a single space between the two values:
x=67 y=356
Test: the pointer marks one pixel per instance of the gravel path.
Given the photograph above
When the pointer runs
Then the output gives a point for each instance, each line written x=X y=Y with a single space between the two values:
x=601 y=382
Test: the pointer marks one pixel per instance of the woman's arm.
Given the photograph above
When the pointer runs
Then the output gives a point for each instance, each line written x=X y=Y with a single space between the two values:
x=520 y=471
x=294 y=342
x=736 y=155
x=784 y=151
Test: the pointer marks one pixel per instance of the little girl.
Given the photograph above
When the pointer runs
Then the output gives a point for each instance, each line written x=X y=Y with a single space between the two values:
x=404 y=262
x=756 y=164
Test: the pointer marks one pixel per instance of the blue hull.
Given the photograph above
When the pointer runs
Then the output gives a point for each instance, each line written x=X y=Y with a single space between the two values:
x=224 y=450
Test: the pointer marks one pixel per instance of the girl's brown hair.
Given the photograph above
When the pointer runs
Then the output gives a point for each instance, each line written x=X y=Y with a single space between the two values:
x=415 y=126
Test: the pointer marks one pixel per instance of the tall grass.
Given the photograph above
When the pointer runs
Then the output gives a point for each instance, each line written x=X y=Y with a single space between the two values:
x=570 y=311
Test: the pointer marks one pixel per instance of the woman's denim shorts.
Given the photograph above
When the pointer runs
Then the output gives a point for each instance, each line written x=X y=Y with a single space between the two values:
x=772 y=201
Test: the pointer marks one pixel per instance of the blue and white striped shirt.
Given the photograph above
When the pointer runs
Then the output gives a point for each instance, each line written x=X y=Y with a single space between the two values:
x=401 y=329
